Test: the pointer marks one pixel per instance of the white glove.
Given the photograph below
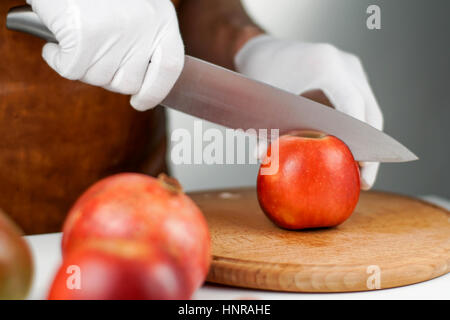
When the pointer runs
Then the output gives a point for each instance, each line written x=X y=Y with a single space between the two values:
x=301 y=67
x=131 y=47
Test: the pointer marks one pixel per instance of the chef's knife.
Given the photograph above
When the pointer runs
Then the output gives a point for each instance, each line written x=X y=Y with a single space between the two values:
x=227 y=98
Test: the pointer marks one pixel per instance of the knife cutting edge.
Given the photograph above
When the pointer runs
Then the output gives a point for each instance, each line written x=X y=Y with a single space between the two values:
x=227 y=98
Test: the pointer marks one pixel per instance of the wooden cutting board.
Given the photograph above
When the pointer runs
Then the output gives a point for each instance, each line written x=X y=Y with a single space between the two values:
x=389 y=241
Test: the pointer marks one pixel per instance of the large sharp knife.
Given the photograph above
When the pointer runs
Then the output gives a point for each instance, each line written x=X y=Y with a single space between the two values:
x=227 y=98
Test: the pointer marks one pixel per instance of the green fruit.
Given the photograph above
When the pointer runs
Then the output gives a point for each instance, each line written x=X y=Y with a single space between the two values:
x=16 y=266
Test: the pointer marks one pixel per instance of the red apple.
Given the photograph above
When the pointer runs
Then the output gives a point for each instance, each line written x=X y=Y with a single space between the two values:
x=16 y=265
x=119 y=270
x=317 y=183
x=136 y=207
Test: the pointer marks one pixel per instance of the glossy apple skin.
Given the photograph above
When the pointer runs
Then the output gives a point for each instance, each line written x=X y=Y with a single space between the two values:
x=136 y=207
x=119 y=270
x=317 y=183
x=16 y=265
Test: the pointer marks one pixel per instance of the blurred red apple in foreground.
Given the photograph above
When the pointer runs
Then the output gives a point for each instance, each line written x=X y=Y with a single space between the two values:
x=16 y=265
x=317 y=183
x=119 y=270
x=139 y=208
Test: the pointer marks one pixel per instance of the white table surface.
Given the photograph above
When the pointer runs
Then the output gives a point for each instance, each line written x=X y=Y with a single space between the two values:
x=47 y=257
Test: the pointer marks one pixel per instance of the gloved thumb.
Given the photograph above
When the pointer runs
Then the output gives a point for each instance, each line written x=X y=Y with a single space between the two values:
x=368 y=174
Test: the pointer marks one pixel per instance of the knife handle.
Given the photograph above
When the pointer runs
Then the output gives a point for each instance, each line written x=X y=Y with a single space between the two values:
x=23 y=19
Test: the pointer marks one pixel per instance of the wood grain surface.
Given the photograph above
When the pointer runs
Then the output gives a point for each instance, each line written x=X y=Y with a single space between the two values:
x=389 y=241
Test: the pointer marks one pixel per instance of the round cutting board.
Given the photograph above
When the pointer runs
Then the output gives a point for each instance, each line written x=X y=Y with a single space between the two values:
x=389 y=241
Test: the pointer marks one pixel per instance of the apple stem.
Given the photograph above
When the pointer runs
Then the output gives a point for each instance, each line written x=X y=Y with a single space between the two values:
x=311 y=134
x=171 y=184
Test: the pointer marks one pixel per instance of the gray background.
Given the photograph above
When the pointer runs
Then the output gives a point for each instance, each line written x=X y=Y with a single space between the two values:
x=408 y=64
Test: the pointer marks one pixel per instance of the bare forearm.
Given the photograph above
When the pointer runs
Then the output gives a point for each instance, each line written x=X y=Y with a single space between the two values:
x=215 y=30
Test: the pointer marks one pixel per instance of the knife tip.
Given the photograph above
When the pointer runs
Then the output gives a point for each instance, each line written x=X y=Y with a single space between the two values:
x=408 y=157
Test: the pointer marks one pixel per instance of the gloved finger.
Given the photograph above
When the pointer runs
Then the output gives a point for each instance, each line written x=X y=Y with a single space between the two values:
x=60 y=57
x=369 y=172
x=54 y=56
x=62 y=61
x=101 y=71
x=355 y=67
x=130 y=76
x=165 y=67
x=260 y=150
x=346 y=98
x=374 y=116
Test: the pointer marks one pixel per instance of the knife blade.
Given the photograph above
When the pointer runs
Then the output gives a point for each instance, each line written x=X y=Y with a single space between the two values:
x=230 y=99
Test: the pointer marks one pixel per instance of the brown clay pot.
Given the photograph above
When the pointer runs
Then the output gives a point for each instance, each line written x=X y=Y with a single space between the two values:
x=57 y=136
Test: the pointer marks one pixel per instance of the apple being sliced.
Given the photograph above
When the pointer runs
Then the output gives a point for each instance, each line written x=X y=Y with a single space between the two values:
x=317 y=183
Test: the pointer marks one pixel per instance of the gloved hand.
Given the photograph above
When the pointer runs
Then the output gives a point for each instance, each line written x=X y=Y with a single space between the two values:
x=303 y=67
x=131 y=47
